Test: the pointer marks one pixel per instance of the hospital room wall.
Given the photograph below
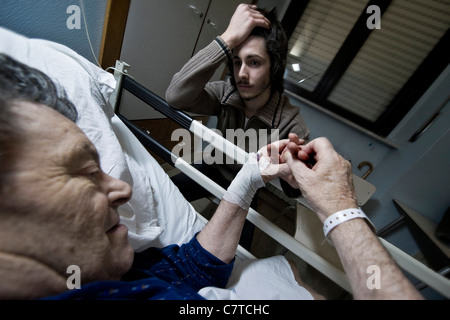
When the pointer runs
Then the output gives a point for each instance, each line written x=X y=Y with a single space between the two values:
x=47 y=19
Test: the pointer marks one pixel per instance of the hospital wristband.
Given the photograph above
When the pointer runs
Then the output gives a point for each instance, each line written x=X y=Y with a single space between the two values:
x=342 y=216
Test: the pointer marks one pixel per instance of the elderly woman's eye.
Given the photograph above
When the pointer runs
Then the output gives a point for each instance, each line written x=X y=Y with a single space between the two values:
x=94 y=173
x=94 y=176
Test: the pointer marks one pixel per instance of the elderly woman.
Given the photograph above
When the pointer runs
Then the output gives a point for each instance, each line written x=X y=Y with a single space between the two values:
x=61 y=209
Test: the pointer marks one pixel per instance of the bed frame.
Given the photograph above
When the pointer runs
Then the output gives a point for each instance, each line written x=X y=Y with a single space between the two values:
x=310 y=250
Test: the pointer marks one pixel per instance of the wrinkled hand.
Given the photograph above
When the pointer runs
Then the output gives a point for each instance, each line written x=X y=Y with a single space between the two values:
x=326 y=182
x=272 y=164
x=243 y=21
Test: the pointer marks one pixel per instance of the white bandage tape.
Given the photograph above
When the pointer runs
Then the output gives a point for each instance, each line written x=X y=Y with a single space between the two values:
x=342 y=216
x=244 y=186
x=263 y=163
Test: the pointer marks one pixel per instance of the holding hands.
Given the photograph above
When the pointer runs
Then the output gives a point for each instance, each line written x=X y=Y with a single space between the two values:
x=323 y=176
x=325 y=179
x=272 y=164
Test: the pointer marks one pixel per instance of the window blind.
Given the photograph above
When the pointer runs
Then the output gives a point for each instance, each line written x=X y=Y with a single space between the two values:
x=317 y=38
x=410 y=29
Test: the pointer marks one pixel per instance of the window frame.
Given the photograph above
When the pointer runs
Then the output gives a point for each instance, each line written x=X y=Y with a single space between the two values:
x=423 y=77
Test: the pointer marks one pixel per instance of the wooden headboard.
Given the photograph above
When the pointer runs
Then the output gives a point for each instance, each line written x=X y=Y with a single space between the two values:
x=116 y=15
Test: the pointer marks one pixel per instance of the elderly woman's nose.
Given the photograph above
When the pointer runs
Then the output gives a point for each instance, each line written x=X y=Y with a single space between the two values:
x=119 y=192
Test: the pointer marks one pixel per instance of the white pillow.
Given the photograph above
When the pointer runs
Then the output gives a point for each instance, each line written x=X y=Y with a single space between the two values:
x=83 y=81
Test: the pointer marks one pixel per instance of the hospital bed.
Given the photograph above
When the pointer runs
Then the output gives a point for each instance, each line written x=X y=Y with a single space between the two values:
x=158 y=215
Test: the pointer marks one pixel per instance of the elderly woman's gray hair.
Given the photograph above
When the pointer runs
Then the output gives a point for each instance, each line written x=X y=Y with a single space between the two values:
x=19 y=82
x=26 y=83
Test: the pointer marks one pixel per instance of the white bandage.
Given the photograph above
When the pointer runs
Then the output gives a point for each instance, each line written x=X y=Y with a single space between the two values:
x=244 y=186
x=262 y=161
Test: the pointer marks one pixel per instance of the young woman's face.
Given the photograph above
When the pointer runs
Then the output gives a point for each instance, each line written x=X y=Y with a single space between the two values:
x=61 y=208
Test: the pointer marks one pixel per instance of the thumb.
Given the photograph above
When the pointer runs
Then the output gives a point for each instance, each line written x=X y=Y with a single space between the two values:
x=298 y=168
x=273 y=153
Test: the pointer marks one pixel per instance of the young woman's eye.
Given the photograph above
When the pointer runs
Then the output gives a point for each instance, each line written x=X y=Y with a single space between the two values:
x=254 y=63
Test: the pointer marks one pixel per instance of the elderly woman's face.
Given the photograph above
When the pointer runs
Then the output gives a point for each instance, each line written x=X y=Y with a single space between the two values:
x=65 y=207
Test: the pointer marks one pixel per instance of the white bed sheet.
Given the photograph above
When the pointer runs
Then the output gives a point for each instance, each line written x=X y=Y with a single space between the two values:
x=157 y=214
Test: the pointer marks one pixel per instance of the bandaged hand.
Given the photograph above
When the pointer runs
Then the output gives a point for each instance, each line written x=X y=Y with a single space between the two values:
x=272 y=163
x=244 y=186
x=259 y=169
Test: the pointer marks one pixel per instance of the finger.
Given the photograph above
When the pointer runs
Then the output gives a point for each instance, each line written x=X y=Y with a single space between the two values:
x=288 y=157
x=274 y=154
x=293 y=148
x=297 y=167
x=294 y=138
x=295 y=141
x=259 y=18
x=304 y=156
x=262 y=21
x=318 y=145
x=279 y=145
